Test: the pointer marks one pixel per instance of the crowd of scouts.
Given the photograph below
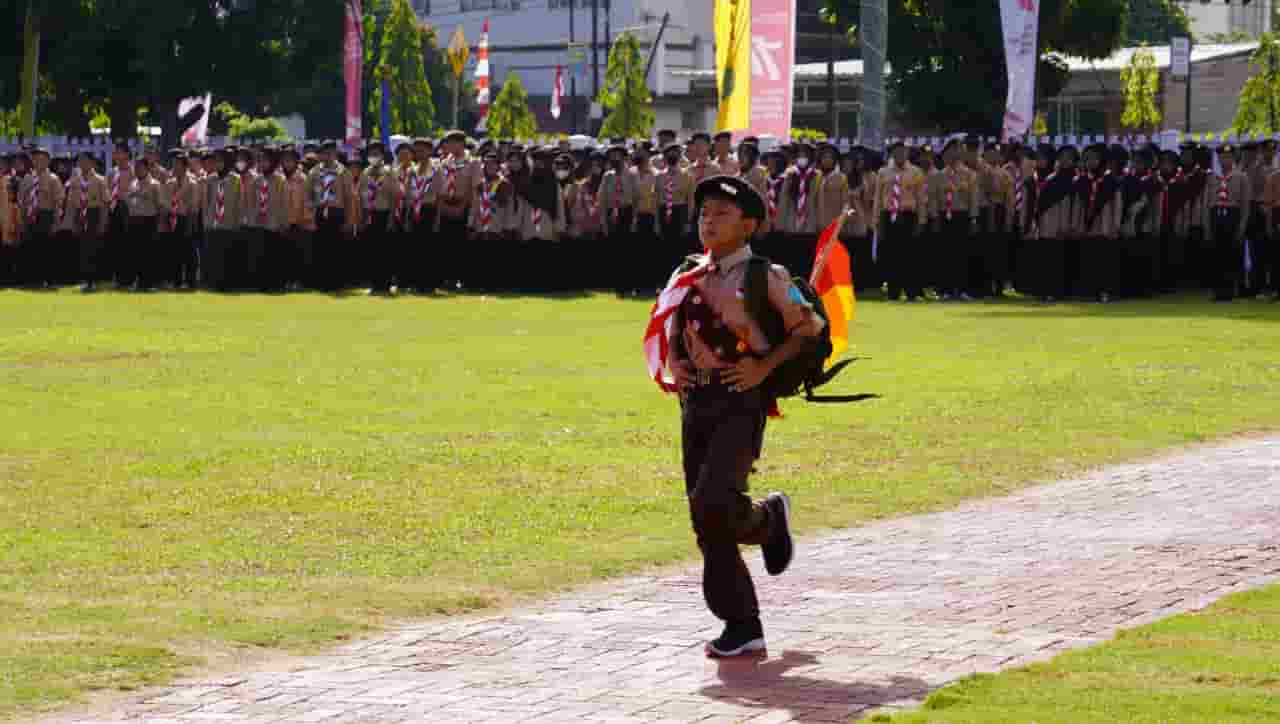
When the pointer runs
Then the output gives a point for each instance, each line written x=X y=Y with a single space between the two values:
x=966 y=221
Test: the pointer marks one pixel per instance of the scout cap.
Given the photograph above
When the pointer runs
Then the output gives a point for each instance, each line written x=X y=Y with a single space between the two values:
x=458 y=136
x=731 y=188
x=40 y=151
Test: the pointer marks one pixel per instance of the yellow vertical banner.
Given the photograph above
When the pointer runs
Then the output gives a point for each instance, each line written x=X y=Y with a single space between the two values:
x=733 y=64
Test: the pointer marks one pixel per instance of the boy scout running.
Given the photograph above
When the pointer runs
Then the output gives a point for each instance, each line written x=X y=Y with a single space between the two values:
x=718 y=357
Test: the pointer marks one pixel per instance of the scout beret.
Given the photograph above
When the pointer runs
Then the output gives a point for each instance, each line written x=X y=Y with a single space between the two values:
x=542 y=152
x=733 y=189
x=1069 y=151
x=825 y=147
x=1118 y=154
x=670 y=147
x=666 y=132
x=617 y=148
x=491 y=155
x=950 y=144
x=375 y=146
x=752 y=139
x=700 y=136
x=40 y=151
x=1226 y=149
x=1046 y=151
x=564 y=159
x=1170 y=155
x=455 y=135
x=725 y=135
x=896 y=145
x=423 y=142
x=329 y=146
x=86 y=154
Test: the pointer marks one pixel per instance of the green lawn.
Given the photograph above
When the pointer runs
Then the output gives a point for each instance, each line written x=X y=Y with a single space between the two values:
x=185 y=474
x=1215 y=666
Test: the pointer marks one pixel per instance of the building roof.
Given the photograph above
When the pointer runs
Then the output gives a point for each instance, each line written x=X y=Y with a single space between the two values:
x=1117 y=61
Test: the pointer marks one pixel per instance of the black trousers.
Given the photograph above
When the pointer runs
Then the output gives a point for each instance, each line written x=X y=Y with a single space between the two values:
x=899 y=249
x=722 y=432
x=866 y=272
x=1227 y=251
x=185 y=253
x=94 y=266
x=119 y=244
x=1046 y=257
x=1255 y=281
x=38 y=251
x=330 y=249
x=456 y=261
x=954 y=250
x=145 y=253
x=997 y=259
x=218 y=248
x=380 y=251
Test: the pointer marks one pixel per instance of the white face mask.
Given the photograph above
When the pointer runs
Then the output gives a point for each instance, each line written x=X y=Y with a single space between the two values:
x=562 y=174
x=802 y=163
x=375 y=160
x=241 y=166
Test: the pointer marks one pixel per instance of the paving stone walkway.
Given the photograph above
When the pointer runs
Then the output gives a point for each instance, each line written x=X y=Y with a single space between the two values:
x=869 y=618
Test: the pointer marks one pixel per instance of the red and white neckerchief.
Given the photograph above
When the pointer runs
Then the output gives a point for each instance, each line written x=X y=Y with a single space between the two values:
x=802 y=197
x=657 y=335
x=1019 y=193
x=617 y=195
x=175 y=206
x=775 y=188
x=84 y=202
x=589 y=201
x=487 y=194
x=420 y=186
x=895 y=198
x=671 y=193
x=701 y=169
x=375 y=185
x=66 y=200
x=327 y=195
x=537 y=220
x=1224 y=191
x=951 y=191
x=1095 y=184
x=115 y=190
x=400 y=197
x=33 y=200
x=450 y=174
x=220 y=201
x=264 y=198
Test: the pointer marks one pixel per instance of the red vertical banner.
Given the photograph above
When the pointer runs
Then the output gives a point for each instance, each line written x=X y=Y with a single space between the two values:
x=353 y=68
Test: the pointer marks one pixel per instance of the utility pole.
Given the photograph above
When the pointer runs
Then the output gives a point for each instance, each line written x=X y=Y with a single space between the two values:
x=875 y=36
x=30 y=68
x=608 y=47
x=831 y=77
x=595 y=58
x=573 y=76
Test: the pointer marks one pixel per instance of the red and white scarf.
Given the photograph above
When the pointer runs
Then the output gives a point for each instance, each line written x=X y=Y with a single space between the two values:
x=951 y=192
x=487 y=194
x=802 y=197
x=375 y=185
x=657 y=336
x=264 y=198
x=420 y=187
x=775 y=188
x=327 y=195
x=115 y=191
x=33 y=200
x=671 y=193
x=617 y=195
x=84 y=202
x=220 y=201
x=175 y=206
x=895 y=200
x=1224 y=191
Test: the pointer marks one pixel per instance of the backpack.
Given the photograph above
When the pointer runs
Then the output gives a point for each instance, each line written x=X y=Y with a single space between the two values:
x=806 y=371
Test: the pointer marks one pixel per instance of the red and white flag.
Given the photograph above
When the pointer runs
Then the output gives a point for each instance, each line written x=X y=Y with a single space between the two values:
x=482 y=75
x=661 y=320
x=198 y=133
x=557 y=92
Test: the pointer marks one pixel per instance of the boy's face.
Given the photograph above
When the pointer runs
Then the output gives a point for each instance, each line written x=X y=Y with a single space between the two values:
x=722 y=227
x=86 y=166
x=41 y=162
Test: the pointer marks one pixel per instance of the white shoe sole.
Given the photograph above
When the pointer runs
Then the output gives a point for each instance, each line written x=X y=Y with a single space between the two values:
x=754 y=647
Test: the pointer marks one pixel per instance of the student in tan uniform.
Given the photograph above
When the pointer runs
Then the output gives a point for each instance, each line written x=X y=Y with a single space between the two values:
x=722 y=153
x=298 y=230
x=221 y=220
x=953 y=212
x=183 y=191
x=1229 y=219
x=675 y=194
x=902 y=210
x=832 y=189
x=8 y=226
x=650 y=263
x=700 y=167
x=330 y=191
x=377 y=190
x=457 y=185
x=84 y=216
x=999 y=205
x=800 y=199
x=1100 y=234
x=857 y=228
x=40 y=194
x=1055 y=221
x=145 y=203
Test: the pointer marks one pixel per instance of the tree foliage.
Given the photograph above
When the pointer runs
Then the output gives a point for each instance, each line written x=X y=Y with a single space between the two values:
x=509 y=116
x=1154 y=22
x=1259 y=108
x=400 y=64
x=248 y=128
x=1140 y=82
x=948 y=59
x=625 y=92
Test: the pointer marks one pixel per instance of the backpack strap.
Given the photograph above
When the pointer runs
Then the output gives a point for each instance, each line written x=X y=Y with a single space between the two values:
x=757 y=301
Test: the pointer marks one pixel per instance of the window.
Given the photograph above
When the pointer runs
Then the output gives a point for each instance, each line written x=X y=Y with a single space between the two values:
x=422 y=7
x=468 y=5
x=564 y=4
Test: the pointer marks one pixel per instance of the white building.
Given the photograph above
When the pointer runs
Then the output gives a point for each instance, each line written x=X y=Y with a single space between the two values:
x=531 y=37
x=1221 y=18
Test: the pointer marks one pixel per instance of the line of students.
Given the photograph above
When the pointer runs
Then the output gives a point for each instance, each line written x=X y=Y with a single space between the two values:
x=967 y=222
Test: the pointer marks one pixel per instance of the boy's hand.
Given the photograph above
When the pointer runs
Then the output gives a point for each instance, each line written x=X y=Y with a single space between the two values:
x=746 y=375
x=682 y=373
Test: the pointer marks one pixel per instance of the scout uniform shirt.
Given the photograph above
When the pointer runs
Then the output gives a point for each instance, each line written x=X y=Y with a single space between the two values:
x=184 y=199
x=422 y=191
x=646 y=185
x=1231 y=191
x=862 y=200
x=7 y=230
x=585 y=215
x=402 y=216
x=84 y=192
x=900 y=190
x=800 y=200
x=298 y=211
x=457 y=179
x=144 y=198
x=377 y=191
x=715 y=327
x=1104 y=206
x=330 y=188
x=617 y=193
x=532 y=222
x=40 y=192
x=675 y=189
x=118 y=183
x=222 y=202
x=953 y=193
x=1000 y=197
x=488 y=214
x=832 y=192
x=1020 y=194
x=758 y=178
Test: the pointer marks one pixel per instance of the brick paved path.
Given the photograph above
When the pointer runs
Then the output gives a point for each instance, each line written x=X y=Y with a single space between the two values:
x=872 y=617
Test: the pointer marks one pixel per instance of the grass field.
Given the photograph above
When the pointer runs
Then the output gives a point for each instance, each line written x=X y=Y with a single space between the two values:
x=186 y=475
x=1215 y=666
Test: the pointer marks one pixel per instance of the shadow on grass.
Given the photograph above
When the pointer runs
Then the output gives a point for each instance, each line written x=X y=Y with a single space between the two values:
x=770 y=685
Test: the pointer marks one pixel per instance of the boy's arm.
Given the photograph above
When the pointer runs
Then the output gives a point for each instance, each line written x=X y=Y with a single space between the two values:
x=800 y=321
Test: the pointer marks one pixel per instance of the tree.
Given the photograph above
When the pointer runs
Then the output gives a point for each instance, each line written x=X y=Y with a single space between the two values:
x=1259 y=108
x=1231 y=38
x=400 y=64
x=1155 y=22
x=248 y=128
x=1140 y=80
x=509 y=116
x=948 y=62
x=625 y=92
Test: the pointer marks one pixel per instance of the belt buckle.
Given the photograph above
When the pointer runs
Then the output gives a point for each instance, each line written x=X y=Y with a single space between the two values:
x=702 y=378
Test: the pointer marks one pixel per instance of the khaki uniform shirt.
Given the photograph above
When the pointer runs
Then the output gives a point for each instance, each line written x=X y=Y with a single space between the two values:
x=646 y=184
x=118 y=187
x=330 y=187
x=704 y=169
x=533 y=223
x=228 y=189
x=862 y=200
x=1106 y=223
x=145 y=197
x=1238 y=195
x=586 y=216
x=675 y=188
x=758 y=178
x=43 y=191
x=617 y=192
x=83 y=192
x=962 y=184
x=298 y=212
x=832 y=193
x=499 y=213
x=457 y=180
x=801 y=208
x=912 y=190
x=377 y=190
x=723 y=290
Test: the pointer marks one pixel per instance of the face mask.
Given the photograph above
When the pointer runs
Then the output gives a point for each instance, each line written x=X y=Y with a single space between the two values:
x=375 y=160
x=673 y=160
x=802 y=163
x=241 y=166
x=562 y=174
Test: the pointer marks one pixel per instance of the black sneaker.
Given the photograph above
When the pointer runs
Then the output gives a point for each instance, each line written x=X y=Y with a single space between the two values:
x=779 y=549
x=738 y=639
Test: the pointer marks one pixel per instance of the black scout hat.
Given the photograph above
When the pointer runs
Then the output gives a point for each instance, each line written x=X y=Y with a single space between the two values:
x=732 y=189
